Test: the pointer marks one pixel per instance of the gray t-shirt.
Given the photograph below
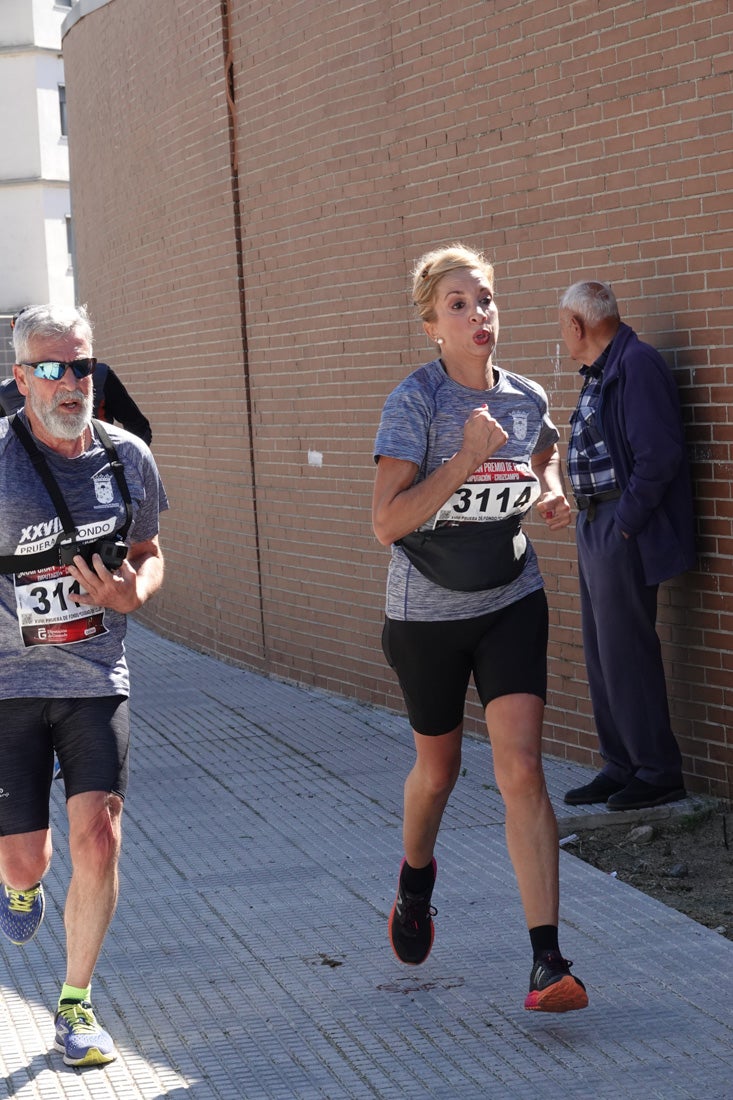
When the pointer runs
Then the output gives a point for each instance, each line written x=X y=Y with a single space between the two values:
x=49 y=646
x=422 y=422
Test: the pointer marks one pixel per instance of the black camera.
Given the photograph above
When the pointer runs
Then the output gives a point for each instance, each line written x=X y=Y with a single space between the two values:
x=111 y=550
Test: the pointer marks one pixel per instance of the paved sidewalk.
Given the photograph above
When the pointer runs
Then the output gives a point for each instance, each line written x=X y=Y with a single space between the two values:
x=249 y=955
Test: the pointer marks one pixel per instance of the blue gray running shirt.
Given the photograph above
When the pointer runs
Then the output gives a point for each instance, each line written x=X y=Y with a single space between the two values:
x=422 y=422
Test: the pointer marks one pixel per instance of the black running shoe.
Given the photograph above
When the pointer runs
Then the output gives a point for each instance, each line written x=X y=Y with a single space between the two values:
x=552 y=988
x=411 y=929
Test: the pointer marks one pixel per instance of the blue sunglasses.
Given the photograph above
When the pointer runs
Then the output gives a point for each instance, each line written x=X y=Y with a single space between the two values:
x=53 y=371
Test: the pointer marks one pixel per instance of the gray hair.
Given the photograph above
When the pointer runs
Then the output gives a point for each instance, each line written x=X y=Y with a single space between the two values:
x=49 y=320
x=593 y=301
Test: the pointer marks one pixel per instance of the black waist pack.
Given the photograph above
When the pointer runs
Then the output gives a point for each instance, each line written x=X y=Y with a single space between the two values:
x=470 y=557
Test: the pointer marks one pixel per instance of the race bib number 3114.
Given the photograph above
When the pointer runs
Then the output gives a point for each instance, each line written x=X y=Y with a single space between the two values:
x=497 y=490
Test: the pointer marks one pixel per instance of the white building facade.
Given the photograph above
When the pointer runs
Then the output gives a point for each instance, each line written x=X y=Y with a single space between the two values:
x=35 y=206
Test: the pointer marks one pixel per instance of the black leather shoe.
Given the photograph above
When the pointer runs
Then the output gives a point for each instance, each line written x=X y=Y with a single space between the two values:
x=638 y=795
x=599 y=789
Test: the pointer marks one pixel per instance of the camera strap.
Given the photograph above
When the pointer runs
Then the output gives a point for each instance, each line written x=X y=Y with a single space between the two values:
x=14 y=563
x=118 y=471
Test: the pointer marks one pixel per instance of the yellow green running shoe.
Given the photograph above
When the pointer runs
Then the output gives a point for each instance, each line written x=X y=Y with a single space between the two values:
x=80 y=1038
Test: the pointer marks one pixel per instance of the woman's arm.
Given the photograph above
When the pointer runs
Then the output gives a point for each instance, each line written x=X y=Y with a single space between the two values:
x=400 y=506
x=553 y=505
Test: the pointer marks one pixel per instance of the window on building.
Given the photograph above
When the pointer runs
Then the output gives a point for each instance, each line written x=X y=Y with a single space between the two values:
x=70 y=239
x=64 y=3
x=62 y=109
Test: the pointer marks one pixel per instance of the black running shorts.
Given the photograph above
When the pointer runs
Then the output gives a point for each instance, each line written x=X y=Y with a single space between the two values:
x=91 y=738
x=506 y=651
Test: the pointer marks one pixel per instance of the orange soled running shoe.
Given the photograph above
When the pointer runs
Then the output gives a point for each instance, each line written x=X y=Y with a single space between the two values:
x=552 y=988
x=411 y=929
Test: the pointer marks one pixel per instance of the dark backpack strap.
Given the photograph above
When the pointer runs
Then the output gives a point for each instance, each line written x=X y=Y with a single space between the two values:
x=19 y=563
x=100 y=374
x=16 y=563
x=99 y=379
x=44 y=473
x=11 y=399
x=119 y=473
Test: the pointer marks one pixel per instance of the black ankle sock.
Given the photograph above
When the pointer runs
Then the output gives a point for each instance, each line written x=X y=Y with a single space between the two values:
x=544 y=938
x=416 y=880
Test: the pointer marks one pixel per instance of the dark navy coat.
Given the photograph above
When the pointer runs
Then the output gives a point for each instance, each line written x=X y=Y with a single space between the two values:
x=641 y=423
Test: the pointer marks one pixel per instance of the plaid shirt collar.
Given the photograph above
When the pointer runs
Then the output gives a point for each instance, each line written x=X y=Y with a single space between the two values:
x=595 y=370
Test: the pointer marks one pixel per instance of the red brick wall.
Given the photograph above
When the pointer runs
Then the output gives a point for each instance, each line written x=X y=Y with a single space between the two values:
x=263 y=314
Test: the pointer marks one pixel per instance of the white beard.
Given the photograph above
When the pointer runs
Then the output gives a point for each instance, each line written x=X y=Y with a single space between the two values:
x=63 y=425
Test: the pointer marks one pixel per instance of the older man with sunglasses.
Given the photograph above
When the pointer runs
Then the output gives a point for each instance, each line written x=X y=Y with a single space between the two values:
x=112 y=401
x=79 y=550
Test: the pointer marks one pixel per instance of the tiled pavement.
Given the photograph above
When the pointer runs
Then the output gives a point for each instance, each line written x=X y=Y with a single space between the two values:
x=249 y=959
